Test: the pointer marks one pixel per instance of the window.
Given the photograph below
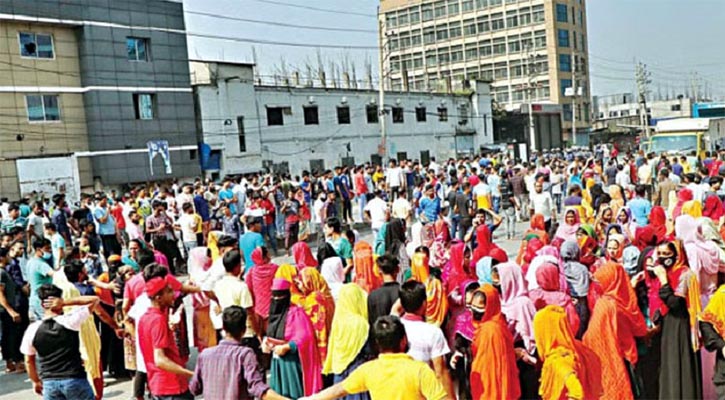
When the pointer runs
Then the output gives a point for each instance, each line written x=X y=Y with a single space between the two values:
x=137 y=49
x=442 y=114
x=275 y=116
x=311 y=115
x=563 y=38
x=420 y=114
x=442 y=34
x=472 y=54
x=143 y=104
x=427 y=12
x=371 y=111
x=512 y=21
x=414 y=15
x=36 y=45
x=42 y=108
x=403 y=19
x=440 y=9
x=469 y=27
x=565 y=84
x=343 y=115
x=497 y=22
x=398 y=117
x=453 y=8
x=573 y=16
x=565 y=62
x=538 y=14
x=456 y=54
x=454 y=30
x=242 y=137
x=675 y=107
x=467 y=5
x=499 y=46
x=429 y=36
x=514 y=45
x=562 y=15
x=566 y=111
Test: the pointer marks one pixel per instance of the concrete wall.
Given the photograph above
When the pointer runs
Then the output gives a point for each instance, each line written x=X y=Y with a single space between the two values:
x=230 y=93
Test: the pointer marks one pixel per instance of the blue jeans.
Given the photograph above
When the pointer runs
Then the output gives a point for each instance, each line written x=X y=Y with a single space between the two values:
x=455 y=224
x=67 y=389
x=270 y=232
x=496 y=203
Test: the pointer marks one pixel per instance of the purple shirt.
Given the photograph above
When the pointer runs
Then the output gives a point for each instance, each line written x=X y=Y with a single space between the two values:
x=218 y=367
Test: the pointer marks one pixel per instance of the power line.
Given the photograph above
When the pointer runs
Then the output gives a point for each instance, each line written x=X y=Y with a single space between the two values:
x=282 y=24
x=279 y=3
x=278 y=43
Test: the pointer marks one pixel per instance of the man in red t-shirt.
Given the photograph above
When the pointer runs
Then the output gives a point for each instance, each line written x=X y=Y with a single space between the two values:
x=167 y=374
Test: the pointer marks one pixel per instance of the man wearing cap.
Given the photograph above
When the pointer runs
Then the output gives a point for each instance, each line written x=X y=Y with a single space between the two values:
x=167 y=374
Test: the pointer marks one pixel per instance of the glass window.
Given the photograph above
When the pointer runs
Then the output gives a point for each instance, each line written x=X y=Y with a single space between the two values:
x=343 y=115
x=493 y=3
x=499 y=46
x=275 y=116
x=454 y=30
x=563 y=38
x=442 y=114
x=420 y=114
x=514 y=45
x=311 y=115
x=42 y=108
x=442 y=34
x=525 y=19
x=565 y=84
x=398 y=117
x=242 y=135
x=429 y=36
x=456 y=54
x=538 y=14
x=440 y=10
x=144 y=105
x=371 y=112
x=391 y=20
x=501 y=72
x=444 y=58
x=453 y=7
x=497 y=22
x=565 y=62
x=512 y=21
x=469 y=27
x=403 y=18
x=566 y=111
x=471 y=54
x=467 y=5
x=414 y=15
x=427 y=12
x=485 y=49
x=36 y=45
x=137 y=49
x=562 y=13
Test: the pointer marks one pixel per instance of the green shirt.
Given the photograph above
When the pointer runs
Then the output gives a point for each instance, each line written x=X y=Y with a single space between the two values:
x=342 y=247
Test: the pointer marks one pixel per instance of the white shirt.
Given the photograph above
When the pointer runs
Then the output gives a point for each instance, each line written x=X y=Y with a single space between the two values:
x=426 y=341
x=72 y=320
x=541 y=203
x=644 y=173
x=317 y=209
x=207 y=280
x=401 y=208
x=394 y=177
x=187 y=222
x=623 y=178
x=377 y=209
x=139 y=308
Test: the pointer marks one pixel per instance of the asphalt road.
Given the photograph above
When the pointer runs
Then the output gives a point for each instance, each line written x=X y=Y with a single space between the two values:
x=17 y=386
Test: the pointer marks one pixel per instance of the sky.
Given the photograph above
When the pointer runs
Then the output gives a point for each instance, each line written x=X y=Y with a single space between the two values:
x=682 y=42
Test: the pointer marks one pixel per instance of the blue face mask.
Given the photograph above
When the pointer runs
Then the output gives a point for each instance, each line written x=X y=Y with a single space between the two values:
x=47 y=256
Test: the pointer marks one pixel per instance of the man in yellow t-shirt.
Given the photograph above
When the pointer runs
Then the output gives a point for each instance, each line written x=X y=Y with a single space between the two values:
x=394 y=375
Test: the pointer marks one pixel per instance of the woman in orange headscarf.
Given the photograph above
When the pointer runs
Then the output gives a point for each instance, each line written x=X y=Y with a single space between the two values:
x=615 y=322
x=367 y=275
x=289 y=273
x=436 y=299
x=570 y=370
x=494 y=374
x=318 y=304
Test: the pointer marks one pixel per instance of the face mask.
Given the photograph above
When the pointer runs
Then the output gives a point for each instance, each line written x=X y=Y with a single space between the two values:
x=477 y=313
x=47 y=256
x=667 y=262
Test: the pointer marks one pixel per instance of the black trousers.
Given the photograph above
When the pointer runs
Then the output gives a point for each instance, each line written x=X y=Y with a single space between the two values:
x=11 y=337
x=110 y=245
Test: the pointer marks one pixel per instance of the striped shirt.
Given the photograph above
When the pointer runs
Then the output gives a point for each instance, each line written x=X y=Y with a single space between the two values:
x=217 y=368
x=8 y=224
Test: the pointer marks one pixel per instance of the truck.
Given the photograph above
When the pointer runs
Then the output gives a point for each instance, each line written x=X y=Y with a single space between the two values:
x=685 y=135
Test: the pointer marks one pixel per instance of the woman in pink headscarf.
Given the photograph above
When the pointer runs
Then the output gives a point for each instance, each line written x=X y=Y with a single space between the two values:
x=567 y=230
x=456 y=270
x=303 y=256
x=703 y=256
x=519 y=311
x=259 y=280
x=547 y=254
x=549 y=293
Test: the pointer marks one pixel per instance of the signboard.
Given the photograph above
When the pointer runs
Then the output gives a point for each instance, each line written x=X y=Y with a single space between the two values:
x=159 y=148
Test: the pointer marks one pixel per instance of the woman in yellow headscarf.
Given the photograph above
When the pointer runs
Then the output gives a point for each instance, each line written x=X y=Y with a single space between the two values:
x=692 y=208
x=712 y=327
x=318 y=304
x=436 y=299
x=289 y=273
x=570 y=370
x=348 y=336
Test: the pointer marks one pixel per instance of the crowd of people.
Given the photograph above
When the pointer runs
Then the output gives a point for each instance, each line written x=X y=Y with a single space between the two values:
x=612 y=292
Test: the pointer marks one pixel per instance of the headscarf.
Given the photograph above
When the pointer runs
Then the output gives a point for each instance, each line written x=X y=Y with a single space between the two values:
x=484 y=243
x=303 y=255
x=563 y=356
x=334 y=273
x=549 y=292
x=714 y=313
x=646 y=236
x=318 y=304
x=713 y=208
x=288 y=272
x=367 y=274
x=532 y=247
x=494 y=374
x=484 y=269
x=464 y=321
x=566 y=231
x=290 y=323
x=689 y=290
x=454 y=272
x=538 y=228
x=436 y=299
x=546 y=254
x=658 y=221
x=683 y=196
x=703 y=256
x=620 y=240
x=617 y=200
x=516 y=305
x=630 y=257
x=576 y=273
x=438 y=257
x=349 y=330
x=615 y=322
x=259 y=280
x=711 y=233
x=630 y=226
x=692 y=208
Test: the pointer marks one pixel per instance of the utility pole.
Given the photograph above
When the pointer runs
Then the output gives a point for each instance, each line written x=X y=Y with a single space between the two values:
x=643 y=80
x=531 y=69
x=383 y=149
x=573 y=99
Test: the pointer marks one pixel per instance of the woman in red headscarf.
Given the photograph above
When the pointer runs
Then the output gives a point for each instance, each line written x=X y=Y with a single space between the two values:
x=537 y=230
x=259 y=280
x=456 y=270
x=532 y=247
x=713 y=209
x=616 y=321
x=494 y=374
x=303 y=256
x=484 y=243
x=549 y=293
x=683 y=196
x=658 y=221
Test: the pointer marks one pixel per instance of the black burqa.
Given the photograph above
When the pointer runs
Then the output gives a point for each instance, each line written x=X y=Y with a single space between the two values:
x=278 y=308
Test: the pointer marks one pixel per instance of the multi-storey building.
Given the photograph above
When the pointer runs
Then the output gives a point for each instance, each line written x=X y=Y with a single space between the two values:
x=95 y=80
x=531 y=50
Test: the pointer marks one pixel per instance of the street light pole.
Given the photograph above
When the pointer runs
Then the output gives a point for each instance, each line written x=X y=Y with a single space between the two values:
x=382 y=150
